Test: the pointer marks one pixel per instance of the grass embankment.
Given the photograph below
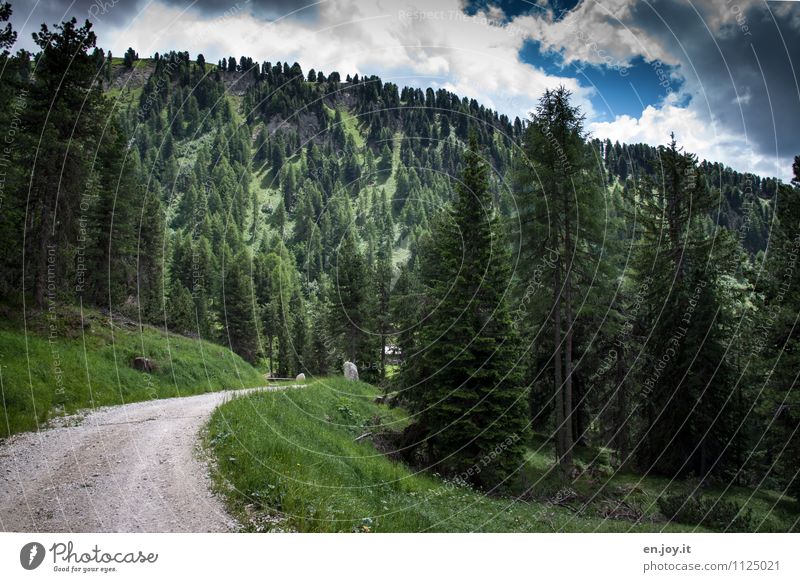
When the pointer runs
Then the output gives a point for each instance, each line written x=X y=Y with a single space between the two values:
x=291 y=461
x=87 y=363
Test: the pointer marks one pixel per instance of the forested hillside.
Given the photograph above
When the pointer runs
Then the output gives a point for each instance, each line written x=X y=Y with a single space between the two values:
x=623 y=296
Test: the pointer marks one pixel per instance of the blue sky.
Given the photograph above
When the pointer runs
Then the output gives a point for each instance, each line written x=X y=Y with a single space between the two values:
x=620 y=88
x=515 y=8
x=721 y=75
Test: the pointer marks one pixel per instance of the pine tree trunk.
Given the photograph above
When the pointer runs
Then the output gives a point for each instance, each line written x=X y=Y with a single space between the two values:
x=383 y=356
x=569 y=440
x=40 y=280
x=269 y=350
x=620 y=424
x=557 y=356
x=738 y=442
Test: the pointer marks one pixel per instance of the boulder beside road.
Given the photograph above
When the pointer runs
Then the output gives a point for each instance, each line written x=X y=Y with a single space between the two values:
x=350 y=371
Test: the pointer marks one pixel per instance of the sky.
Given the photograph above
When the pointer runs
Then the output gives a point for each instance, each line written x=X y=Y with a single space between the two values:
x=719 y=73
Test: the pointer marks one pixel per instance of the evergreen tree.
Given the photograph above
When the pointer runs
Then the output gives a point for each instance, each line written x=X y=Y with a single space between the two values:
x=61 y=121
x=559 y=198
x=8 y=35
x=240 y=317
x=383 y=289
x=687 y=389
x=150 y=258
x=348 y=301
x=129 y=58
x=180 y=309
x=109 y=215
x=780 y=403
x=385 y=164
x=467 y=390
x=278 y=218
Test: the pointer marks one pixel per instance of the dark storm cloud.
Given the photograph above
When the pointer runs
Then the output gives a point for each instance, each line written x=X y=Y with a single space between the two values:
x=118 y=13
x=109 y=16
x=115 y=12
x=742 y=74
x=266 y=9
x=514 y=8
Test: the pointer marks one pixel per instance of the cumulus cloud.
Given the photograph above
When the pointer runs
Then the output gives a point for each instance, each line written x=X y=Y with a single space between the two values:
x=623 y=29
x=734 y=58
x=589 y=32
x=711 y=141
x=737 y=67
x=432 y=43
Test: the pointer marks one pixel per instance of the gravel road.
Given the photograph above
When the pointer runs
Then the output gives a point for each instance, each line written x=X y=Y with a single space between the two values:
x=130 y=468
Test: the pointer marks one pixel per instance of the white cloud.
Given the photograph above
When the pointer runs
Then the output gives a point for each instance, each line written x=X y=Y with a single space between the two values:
x=695 y=134
x=597 y=29
x=432 y=43
x=590 y=32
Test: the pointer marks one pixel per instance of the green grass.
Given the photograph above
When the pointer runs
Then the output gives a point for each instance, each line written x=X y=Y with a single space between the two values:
x=88 y=364
x=290 y=461
x=351 y=127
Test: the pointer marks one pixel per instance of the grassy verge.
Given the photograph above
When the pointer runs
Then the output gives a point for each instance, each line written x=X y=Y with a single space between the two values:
x=294 y=461
x=87 y=363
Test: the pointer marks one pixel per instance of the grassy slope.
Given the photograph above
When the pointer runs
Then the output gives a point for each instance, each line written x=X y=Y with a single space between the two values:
x=95 y=363
x=290 y=461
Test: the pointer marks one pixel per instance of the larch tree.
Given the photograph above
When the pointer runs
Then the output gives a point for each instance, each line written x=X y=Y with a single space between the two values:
x=559 y=197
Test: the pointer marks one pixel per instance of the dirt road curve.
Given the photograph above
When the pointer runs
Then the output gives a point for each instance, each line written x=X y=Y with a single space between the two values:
x=131 y=468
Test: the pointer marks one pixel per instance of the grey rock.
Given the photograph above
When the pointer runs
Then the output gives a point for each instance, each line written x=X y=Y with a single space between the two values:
x=350 y=371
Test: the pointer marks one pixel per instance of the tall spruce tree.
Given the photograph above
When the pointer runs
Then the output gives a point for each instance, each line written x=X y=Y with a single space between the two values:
x=383 y=289
x=349 y=304
x=240 y=313
x=62 y=123
x=150 y=258
x=689 y=410
x=779 y=336
x=470 y=400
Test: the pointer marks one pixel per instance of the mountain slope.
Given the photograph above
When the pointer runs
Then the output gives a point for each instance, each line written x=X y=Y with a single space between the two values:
x=67 y=360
